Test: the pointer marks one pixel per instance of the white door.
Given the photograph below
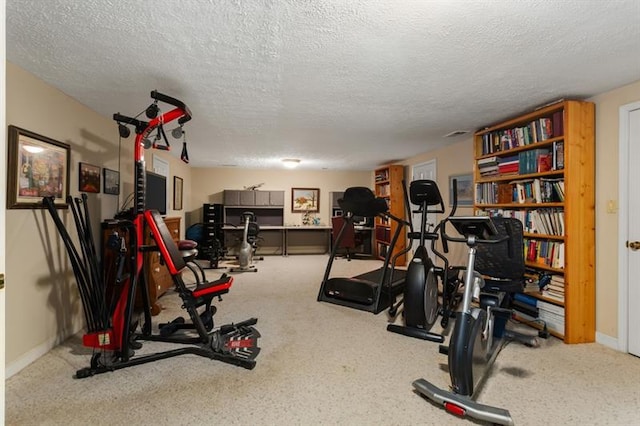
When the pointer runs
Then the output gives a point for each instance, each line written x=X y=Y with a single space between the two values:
x=630 y=118
x=629 y=230
x=423 y=171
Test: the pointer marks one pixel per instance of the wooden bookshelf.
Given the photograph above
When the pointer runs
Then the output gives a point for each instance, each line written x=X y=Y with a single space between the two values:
x=388 y=185
x=539 y=167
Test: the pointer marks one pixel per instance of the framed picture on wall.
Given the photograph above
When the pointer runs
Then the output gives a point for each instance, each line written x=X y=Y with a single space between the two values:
x=177 y=193
x=305 y=200
x=111 y=182
x=464 y=183
x=38 y=167
x=89 y=178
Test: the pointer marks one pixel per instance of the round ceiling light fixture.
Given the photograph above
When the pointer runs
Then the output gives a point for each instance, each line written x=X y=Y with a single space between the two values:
x=291 y=163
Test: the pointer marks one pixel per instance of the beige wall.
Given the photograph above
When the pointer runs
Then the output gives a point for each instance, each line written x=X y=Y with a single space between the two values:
x=607 y=140
x=208 y=186
x=43 y=307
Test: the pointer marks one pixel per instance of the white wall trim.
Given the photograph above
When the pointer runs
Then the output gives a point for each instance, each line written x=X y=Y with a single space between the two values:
x=31 y=356
x=623 y=224
x=608 y=341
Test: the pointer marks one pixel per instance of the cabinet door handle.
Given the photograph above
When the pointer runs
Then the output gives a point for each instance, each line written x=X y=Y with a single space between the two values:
x=156 y=270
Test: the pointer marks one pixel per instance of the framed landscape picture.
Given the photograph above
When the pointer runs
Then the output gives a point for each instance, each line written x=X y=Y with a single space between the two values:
x=465 y=189
x=305 y=199
x=38 y=167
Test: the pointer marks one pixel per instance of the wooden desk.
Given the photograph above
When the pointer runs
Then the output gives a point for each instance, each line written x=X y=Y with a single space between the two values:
x=303 y=239
x=286 y=240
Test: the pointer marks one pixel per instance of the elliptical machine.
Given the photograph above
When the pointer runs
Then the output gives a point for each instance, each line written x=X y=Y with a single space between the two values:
x=479 y=333
x=420 y=298
x=247 y=246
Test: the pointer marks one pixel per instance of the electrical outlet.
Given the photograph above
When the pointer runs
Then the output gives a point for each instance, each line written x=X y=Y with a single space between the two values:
x=612 y=206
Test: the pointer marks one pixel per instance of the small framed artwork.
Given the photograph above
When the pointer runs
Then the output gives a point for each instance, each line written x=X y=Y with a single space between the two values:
x=160 y=165
x=89 y=178
x=38 y=167
x=305 y=200
x=111 y=182
x=464 y=184
x=177 y=193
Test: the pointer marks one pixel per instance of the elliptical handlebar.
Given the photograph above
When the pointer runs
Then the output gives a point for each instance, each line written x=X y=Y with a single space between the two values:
x=475 y=229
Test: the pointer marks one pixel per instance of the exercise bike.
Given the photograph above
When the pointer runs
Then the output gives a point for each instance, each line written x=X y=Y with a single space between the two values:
x=248 y=245
x=420 y=296
x=480 y=332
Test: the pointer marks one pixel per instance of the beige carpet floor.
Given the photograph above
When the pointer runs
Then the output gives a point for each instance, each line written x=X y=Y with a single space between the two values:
x=321 y=364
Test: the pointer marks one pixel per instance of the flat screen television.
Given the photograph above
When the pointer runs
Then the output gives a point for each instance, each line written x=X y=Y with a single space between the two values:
x=156 y=192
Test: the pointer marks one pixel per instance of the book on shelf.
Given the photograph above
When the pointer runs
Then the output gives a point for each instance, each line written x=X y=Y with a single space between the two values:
x=526 y=299
x=551 y=294
x=524 y=308
x=544 y=163
x=552 y=315
x=545 y=253
x=558 y=155
x=549 y=307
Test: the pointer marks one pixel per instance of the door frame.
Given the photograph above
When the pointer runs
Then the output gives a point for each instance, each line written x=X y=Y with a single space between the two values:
x=623 y=224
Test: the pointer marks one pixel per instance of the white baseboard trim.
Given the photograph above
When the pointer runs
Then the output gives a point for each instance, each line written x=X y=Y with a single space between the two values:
x=29 y=357
x=611 y=342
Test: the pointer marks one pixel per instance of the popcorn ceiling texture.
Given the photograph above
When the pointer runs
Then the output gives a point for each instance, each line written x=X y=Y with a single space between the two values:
x=340 y=84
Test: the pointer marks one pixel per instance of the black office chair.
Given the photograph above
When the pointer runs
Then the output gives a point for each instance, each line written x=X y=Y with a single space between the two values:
x=348 y=240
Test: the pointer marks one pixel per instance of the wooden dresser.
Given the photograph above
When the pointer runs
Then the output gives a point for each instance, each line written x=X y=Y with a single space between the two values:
x=158 y=274
x=159 y=279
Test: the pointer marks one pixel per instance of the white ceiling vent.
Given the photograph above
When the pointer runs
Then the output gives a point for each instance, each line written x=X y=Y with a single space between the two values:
x=456 y=133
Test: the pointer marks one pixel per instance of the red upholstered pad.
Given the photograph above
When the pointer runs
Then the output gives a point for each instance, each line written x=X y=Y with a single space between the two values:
x=219 y=286
x=187 y=245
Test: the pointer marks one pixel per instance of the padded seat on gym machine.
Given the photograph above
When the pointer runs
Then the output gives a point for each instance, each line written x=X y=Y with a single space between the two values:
x=176 y=262
x=188 y=249
x=214 y=288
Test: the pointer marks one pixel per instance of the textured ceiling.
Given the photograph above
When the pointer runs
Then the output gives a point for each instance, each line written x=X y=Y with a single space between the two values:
x=340 y=84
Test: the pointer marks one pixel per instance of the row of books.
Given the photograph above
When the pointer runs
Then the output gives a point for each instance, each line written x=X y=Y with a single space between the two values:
x=538 y=160
x=536 y=131
x=521 y=191
x=543 y=252
x=535 y=221
x=382 y=175
x=531 y=308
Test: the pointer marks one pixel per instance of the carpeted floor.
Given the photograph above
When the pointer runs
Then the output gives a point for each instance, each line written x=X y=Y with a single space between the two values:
x=320 y=364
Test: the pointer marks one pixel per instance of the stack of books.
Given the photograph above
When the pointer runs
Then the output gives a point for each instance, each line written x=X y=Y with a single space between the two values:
x=525 y=306
x=509 y=165
x=488 y=166
x=555 y=288
x=552 y=315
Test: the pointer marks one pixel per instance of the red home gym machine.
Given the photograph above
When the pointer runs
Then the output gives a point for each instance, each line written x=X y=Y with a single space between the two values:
x=113 y=329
